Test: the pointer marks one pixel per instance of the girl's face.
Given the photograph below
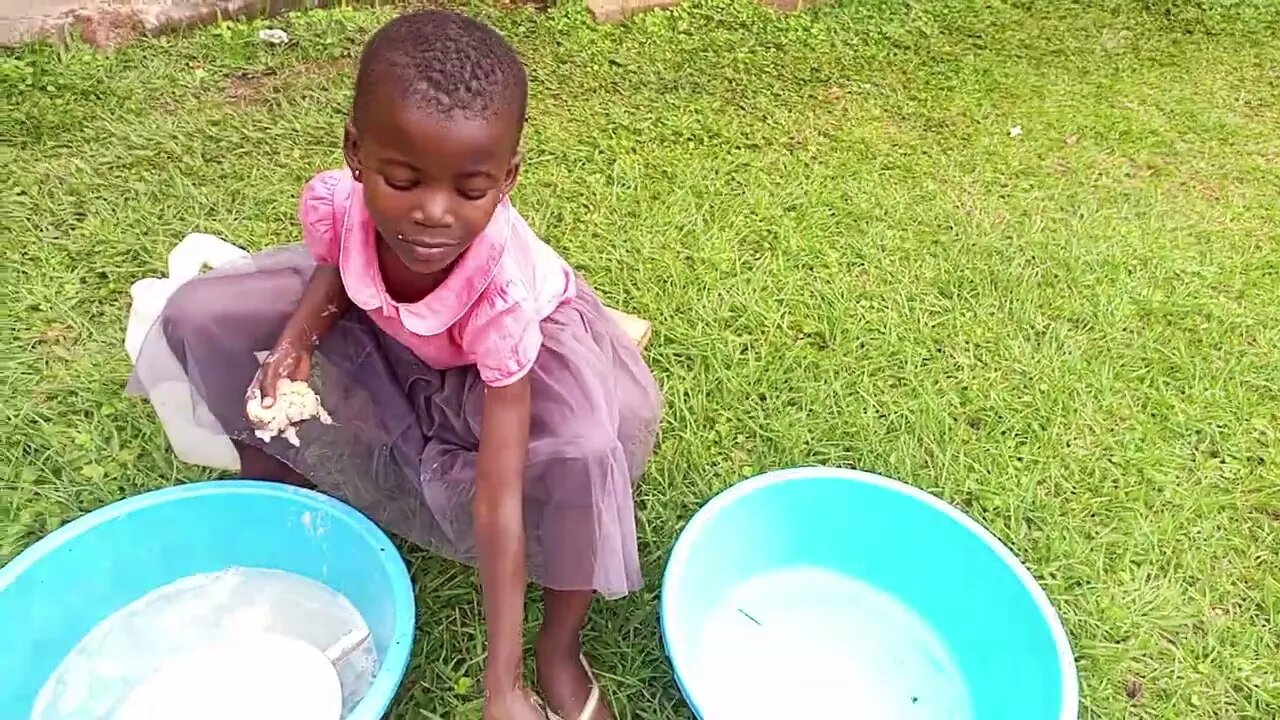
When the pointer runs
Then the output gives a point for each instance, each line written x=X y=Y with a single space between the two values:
x=432 y=183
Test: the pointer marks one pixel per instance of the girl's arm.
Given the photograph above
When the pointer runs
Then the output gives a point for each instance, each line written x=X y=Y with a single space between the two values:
x=498 y=511
x=323 y=303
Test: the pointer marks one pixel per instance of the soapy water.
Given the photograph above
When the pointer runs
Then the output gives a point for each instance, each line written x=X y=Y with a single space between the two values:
x=809 y=642
x=198 y=612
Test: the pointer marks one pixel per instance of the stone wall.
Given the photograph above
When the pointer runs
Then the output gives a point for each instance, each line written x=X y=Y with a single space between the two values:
x=108 y=23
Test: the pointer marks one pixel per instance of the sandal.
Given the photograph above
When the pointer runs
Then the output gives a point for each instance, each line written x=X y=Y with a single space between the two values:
x=593 y=700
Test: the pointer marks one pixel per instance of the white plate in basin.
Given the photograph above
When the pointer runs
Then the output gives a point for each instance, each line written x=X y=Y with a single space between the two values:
x=250 y=677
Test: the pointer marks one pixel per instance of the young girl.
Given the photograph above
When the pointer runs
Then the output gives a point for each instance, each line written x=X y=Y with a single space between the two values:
x=485 y=405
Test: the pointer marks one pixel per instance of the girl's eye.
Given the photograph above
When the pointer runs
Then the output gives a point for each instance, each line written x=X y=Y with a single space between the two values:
x=401 y=185
x=473 y=194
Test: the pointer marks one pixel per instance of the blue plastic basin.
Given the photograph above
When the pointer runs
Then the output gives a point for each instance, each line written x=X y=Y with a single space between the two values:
x=65 y=584
x=819 y=585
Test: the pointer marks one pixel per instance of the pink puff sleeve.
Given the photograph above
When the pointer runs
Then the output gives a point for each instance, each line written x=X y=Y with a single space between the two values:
x=321 y=215
x=504 y=338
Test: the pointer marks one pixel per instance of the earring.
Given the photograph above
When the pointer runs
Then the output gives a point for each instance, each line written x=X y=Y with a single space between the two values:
x=356 y=174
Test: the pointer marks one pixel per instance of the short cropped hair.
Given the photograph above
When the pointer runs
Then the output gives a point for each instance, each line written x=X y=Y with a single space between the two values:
x=443 y=63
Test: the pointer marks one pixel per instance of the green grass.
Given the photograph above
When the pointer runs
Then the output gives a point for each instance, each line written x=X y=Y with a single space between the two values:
x=1074 y=334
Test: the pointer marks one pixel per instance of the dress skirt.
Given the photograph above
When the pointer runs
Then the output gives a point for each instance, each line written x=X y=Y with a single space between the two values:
x=404 y=441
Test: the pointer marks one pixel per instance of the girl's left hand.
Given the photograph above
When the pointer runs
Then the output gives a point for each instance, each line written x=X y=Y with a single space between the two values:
x=514 y=704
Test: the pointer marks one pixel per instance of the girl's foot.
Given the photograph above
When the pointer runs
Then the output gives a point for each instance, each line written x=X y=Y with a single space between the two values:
x=567 y=685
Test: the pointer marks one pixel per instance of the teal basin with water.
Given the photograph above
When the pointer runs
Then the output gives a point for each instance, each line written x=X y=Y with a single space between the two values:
x=61 y=587
x=820 y=592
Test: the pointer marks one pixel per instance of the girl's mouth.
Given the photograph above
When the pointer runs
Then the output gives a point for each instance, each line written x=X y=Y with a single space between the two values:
x=425 y=254
x=423 y=249
x=425 y=242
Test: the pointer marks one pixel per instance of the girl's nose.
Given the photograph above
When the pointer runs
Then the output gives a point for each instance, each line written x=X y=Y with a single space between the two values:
x=433 y=210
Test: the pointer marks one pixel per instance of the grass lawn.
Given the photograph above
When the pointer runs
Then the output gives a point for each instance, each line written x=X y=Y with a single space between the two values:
x=1073 y=334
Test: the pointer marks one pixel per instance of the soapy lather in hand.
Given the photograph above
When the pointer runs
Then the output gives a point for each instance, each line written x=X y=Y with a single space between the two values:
x=295 y=403
x=281 y=399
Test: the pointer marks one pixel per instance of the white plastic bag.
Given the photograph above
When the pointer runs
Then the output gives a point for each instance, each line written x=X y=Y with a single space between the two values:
x=191 y=443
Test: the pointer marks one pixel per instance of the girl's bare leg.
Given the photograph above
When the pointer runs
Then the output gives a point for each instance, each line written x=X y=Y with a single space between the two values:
x=563 y=681
x=257 y=464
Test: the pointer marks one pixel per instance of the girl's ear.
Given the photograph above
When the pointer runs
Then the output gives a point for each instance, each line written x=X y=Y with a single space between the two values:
x=513 y=174
x=351 y=150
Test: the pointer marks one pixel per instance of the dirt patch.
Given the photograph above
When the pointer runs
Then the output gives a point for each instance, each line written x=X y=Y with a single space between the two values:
x=109 y=28
x=251 y=88
x=56 y=335
x=1203 y=188
x=539 y=5
x=57 y=343
x=246 y=88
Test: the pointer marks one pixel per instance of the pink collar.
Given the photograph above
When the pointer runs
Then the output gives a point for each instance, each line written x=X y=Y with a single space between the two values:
x=432 y=315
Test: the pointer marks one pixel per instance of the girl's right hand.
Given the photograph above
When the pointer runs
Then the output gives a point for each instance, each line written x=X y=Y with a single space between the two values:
x=323 y=303
x=289 y=359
